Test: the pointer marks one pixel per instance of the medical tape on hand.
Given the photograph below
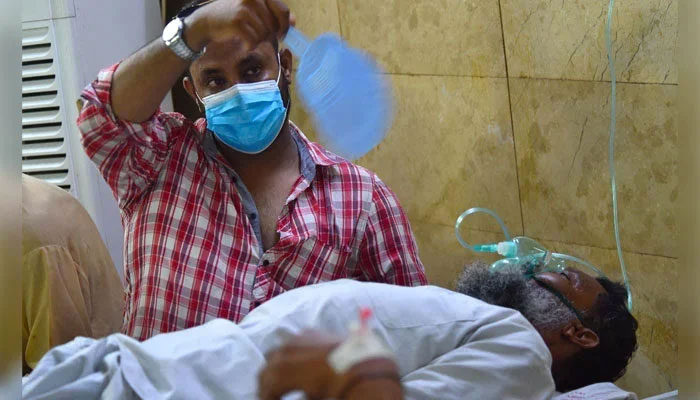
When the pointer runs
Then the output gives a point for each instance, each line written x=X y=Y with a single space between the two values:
x=359 y=347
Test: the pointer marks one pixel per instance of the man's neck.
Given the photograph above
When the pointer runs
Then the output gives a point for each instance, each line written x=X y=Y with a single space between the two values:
x=282 y=154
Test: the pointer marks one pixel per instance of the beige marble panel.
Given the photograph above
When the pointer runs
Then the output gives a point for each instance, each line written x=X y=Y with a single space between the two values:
x=315 y=17
x=450 y=148
x=654 y=282
x=437 y=37
x=566 y=39
x=561 y=131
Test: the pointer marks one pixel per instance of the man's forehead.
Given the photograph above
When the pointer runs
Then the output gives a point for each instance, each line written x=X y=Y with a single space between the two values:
x=588 y=290
x=591 y=282
x=231 y=53
x=577 y=286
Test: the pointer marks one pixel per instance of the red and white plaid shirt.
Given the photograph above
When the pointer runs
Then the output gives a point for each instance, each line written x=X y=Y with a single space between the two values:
x=192 y=243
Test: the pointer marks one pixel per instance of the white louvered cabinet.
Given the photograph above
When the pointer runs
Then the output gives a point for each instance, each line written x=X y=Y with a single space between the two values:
x=45 y=138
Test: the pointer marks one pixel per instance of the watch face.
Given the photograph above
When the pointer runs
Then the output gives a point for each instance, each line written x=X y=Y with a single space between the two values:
x=172 y=30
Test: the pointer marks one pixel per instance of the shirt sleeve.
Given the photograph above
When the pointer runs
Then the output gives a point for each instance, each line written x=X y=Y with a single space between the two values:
x=502 y=359
x=389 y=252
x=128 y=155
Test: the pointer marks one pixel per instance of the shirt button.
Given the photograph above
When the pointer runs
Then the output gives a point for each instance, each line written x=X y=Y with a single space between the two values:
x=253 y=216
x=265 y=263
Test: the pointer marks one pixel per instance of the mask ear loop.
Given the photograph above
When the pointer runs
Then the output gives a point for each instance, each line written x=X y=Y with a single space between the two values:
x=200 y=102
x=279 y=70
x=279 y=75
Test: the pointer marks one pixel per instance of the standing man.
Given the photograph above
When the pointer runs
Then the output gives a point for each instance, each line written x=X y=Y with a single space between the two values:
x=227 y=212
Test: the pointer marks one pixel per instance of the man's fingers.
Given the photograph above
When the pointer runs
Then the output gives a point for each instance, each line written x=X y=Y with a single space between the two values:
x=258 y=23
x=268 y=18
x=249 y=35
x=272 y=382
x=253 y=27
x=282 y=16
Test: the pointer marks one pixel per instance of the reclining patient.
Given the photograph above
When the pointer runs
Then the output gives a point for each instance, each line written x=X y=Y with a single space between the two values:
x=498 y=336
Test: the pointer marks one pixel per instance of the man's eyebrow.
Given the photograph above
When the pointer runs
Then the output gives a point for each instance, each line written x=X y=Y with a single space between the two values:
x=250 y=58
x=209 y=71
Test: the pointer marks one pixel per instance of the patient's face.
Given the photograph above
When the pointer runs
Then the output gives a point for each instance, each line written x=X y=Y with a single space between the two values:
x=511 y=289
x=581 y=289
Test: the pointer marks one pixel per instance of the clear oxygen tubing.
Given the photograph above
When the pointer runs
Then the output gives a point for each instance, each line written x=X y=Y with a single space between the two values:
x=611 y=151
x=578 y=260
x=480 y=247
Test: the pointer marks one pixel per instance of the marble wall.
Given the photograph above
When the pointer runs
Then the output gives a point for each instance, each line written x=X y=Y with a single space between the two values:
x=506 y=104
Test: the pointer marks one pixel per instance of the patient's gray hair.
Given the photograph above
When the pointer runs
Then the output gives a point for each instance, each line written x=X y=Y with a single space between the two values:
x=512 y=290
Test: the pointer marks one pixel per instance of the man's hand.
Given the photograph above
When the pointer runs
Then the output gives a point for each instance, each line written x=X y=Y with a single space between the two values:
x=250 y=21
x=301 y=364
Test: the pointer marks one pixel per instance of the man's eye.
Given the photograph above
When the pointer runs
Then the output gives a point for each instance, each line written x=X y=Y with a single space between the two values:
x=215 y=82
x=565 y=275
x=252 y=72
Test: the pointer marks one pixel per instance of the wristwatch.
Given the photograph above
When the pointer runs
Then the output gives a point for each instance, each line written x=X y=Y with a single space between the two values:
x=172 y=37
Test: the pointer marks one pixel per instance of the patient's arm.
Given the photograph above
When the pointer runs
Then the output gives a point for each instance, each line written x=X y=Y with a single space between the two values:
x=384 y=389
x=376 y=379
x=301 y=365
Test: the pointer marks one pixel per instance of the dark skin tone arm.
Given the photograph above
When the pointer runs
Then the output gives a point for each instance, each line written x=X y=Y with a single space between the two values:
x=302 y=364
x=143 y=79
x=375 y=389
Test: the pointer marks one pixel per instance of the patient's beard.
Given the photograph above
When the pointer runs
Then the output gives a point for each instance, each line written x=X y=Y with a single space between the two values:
x=512 y=290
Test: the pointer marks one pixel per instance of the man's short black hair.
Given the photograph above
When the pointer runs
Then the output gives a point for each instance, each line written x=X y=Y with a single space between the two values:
x=616 y=328
x=193 y=5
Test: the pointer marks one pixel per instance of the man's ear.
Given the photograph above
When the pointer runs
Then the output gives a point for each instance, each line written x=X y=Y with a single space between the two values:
x=286 y=61
x=189 y=88
x=579 y=335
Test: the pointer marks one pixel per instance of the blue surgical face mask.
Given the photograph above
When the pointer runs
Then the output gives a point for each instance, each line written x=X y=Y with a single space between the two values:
x=247 y=117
